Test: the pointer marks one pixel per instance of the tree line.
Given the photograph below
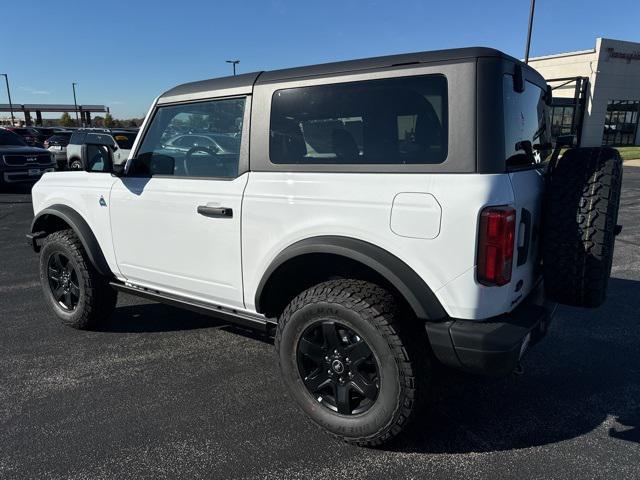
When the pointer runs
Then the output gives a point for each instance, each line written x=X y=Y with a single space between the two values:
x=107 y=121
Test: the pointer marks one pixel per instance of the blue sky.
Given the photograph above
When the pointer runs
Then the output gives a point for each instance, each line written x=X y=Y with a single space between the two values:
x=124 y=53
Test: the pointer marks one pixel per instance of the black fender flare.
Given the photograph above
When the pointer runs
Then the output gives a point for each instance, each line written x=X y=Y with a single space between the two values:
x=409 y=284
x=81 y=228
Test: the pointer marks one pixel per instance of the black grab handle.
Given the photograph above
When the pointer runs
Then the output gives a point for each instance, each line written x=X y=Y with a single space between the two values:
x=215 y=211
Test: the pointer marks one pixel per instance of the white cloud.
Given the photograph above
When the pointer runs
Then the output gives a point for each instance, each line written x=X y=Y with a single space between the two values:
x=34 y=91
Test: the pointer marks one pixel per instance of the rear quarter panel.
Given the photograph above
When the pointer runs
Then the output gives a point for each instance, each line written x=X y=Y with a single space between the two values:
x=280 y=209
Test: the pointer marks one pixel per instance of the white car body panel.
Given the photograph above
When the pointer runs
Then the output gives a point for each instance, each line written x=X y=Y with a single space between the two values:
x=161 y=241
x=152 y=236
x=283 y=208
x=81 y=191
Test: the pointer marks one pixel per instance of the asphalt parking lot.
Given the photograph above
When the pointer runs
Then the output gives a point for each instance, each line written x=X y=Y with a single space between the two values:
x=162 y=393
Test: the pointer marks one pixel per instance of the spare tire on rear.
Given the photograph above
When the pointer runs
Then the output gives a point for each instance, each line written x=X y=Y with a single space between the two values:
x=579 y=225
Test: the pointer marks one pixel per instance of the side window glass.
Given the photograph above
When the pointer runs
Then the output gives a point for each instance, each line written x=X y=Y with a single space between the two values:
x=527 y=132
x=388 y=121
x=200 y=140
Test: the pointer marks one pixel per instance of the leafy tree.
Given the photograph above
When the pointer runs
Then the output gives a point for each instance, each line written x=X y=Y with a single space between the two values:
x=66 y=121
x=197 y=122
x=108 y=121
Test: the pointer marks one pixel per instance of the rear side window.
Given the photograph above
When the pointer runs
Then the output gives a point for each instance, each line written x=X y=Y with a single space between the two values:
x=527 y=127
x=124 y=139
x=388 y=121
x=77 y=138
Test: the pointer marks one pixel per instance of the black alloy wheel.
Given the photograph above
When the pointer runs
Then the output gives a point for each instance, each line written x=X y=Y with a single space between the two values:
x=63 y=281
x=338 y=368
x=353 y=360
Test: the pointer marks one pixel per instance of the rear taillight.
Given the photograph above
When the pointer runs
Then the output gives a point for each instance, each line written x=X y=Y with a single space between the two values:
x=495 y=245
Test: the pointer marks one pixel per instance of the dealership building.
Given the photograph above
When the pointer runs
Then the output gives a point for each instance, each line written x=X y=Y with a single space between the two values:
x=596 y=92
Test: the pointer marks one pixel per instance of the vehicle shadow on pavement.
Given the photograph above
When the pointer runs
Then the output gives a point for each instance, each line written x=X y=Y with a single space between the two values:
x=585 y=376
x=157 y=317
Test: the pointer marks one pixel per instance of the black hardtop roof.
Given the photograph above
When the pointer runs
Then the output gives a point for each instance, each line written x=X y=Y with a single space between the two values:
x=249 y=79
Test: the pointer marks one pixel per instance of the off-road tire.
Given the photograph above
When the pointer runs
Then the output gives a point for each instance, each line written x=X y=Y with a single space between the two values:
x=580 y=216
x=399 y=344
x=96 y=300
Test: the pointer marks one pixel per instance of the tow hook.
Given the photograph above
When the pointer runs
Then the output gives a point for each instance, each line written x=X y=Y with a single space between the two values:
x=519 y=370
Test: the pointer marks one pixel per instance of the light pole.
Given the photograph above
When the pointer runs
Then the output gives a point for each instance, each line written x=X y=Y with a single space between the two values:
x=526 y=52
x=234 y=63
x=73 y=85
x=6 y=79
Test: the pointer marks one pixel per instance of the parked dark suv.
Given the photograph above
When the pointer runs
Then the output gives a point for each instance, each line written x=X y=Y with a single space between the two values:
x=29 y=135
x=20 y=162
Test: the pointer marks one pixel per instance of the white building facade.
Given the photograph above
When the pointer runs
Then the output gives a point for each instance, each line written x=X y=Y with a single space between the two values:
x=596 y=92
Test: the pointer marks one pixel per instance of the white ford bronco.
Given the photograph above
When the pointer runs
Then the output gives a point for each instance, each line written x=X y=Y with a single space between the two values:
x=377 y=216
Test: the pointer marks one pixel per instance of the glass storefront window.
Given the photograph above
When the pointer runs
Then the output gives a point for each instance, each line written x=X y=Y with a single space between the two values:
x=621 y=122
x=562 y=120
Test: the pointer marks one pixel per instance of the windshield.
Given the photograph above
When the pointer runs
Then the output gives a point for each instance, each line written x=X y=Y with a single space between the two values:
x=527 y=132
x=9 y=138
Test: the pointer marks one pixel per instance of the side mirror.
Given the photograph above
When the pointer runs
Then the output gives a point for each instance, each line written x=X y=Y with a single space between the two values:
x=148 y=165
x=162 y=165
x=97 y=158
x=118 y=169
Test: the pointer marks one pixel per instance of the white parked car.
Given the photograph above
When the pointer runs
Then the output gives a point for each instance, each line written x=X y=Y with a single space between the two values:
x=120 y=140
x=379 y=216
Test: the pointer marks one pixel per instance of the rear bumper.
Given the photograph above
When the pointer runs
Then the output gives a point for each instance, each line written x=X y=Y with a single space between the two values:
x=494 y=346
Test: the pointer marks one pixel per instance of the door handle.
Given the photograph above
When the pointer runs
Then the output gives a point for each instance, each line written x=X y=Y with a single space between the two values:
x=215 y=211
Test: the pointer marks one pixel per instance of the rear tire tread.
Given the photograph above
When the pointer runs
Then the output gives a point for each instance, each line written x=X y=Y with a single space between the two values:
x=379 y=307
x=579 y=225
